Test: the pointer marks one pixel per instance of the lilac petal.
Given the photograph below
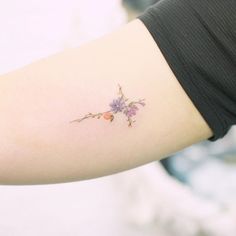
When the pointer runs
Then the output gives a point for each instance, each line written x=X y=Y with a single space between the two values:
x=130 y=112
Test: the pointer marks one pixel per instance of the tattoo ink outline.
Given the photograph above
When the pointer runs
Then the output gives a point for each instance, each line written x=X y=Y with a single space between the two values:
x=117 y=105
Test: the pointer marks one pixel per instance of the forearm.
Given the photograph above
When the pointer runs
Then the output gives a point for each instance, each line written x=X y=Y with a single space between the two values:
x=40 y=145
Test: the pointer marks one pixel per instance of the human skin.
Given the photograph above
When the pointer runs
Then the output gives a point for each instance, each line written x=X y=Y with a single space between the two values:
x=39 y=144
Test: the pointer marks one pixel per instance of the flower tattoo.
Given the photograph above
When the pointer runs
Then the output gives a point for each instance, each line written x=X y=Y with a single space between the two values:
x=121 y=104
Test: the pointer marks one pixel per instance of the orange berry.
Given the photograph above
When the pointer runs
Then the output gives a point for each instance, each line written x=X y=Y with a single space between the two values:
x=107 y=115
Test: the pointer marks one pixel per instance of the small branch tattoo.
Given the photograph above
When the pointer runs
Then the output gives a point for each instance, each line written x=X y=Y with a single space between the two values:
x=121 y=104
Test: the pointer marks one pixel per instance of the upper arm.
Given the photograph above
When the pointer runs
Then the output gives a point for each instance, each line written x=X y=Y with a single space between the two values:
x=40 y=145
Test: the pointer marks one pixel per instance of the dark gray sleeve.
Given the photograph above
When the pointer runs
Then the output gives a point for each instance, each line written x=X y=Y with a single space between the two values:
x=198 y=40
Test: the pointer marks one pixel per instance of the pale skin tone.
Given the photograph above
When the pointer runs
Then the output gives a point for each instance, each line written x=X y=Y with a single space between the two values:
x=39 y=145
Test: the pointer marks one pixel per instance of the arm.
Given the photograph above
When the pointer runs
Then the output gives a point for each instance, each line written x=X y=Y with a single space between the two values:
x=39 y=144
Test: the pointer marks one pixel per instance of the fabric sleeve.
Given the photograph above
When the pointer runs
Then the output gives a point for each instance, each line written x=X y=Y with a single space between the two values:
x=198 y=41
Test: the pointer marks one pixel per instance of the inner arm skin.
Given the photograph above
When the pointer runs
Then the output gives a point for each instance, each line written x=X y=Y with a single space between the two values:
x=39 y=145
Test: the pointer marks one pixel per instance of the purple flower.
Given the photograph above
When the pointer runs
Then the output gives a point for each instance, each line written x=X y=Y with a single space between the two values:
x=117 y=105
x=131 y=111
